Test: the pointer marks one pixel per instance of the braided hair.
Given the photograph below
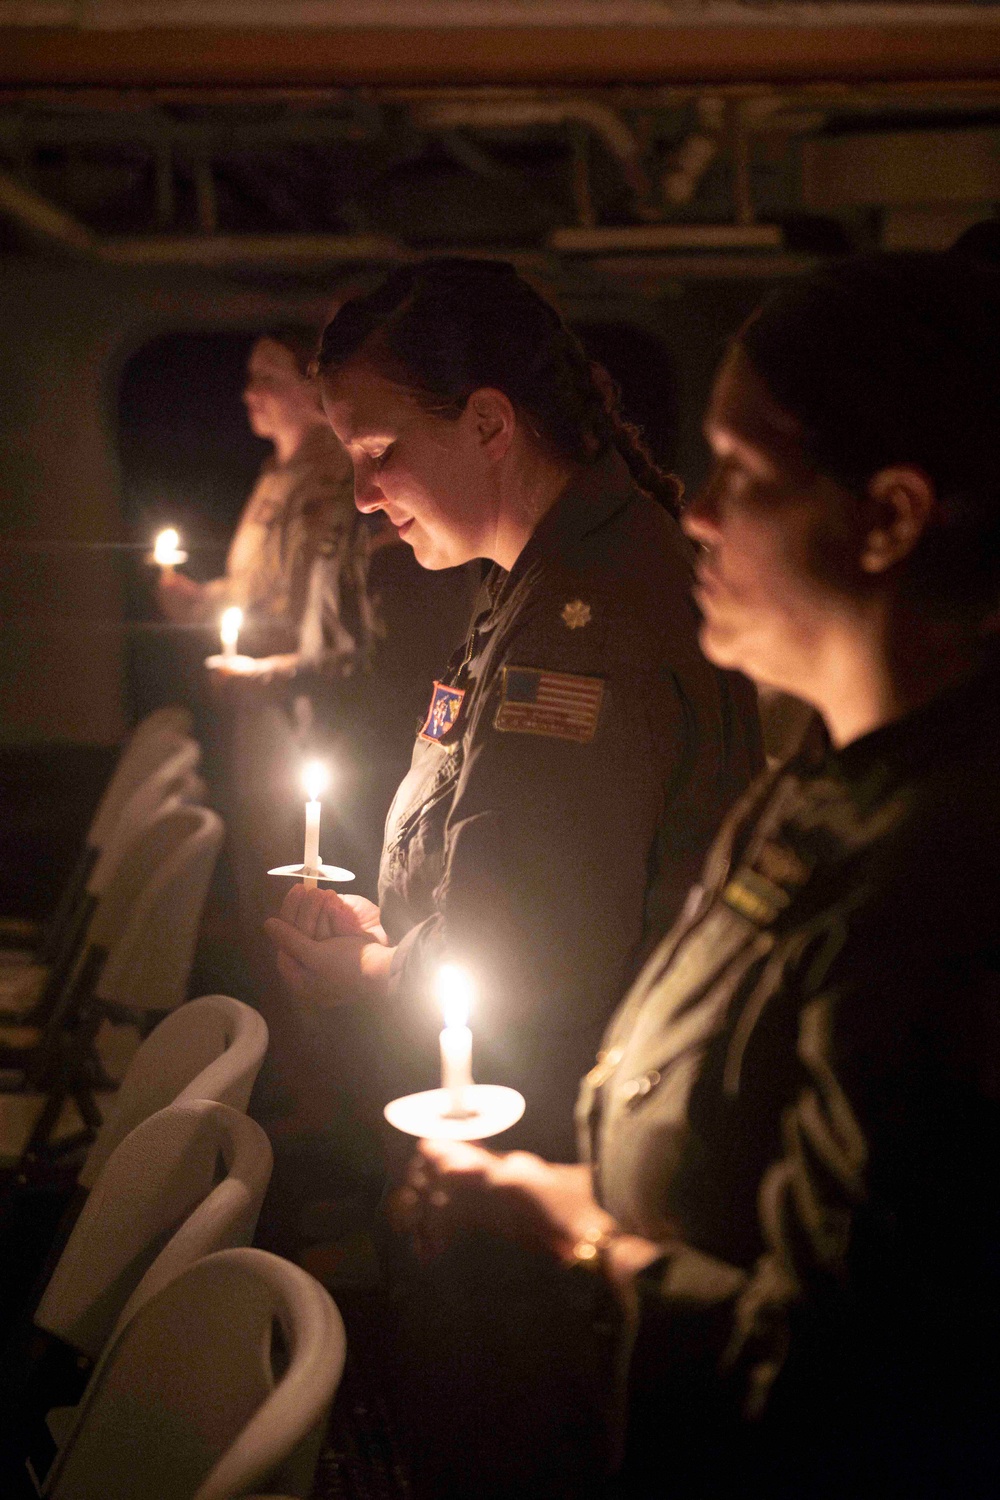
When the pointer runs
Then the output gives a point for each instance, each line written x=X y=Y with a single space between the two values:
x=450 y=326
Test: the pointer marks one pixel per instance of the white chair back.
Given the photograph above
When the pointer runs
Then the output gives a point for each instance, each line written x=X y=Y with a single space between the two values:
x=150 y=912
x=193 y=1401
x=151 y=742
x=168 y=784
x=160 y=1204
x=210 y=1048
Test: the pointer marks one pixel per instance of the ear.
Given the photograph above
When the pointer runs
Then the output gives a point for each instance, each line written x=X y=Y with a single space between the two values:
x=494 y=420
x=901 y=501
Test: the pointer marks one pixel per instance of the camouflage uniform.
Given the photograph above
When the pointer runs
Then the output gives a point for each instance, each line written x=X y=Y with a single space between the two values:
x=800 y=1098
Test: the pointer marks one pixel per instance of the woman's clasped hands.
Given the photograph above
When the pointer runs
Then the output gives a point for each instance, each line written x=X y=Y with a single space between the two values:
x=330 y=949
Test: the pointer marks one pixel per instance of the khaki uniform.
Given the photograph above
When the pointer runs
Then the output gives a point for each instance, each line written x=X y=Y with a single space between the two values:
x=570 y=772
x=298 y=561
x=801 y=1099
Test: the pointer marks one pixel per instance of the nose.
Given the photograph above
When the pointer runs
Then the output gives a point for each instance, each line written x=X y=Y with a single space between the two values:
x=700 y=518
x=368 y=497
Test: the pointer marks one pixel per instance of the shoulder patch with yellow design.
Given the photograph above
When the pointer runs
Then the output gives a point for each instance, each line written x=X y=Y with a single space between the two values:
x=446 y=703
x=550 y=703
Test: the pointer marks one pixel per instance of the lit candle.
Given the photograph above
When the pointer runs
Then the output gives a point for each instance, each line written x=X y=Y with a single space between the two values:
x=229 y=631
x=454 y=991
x=314 y=780
x=166 y=549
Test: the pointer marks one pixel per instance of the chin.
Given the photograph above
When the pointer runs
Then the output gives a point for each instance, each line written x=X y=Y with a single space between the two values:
x=432 y=557
x=720 y=646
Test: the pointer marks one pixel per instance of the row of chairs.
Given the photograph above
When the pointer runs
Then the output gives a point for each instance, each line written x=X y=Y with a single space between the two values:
x=162 y=1356
x=116 y=954
x=214 y=1366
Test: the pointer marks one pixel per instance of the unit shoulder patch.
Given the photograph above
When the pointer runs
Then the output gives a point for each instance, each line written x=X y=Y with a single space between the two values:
x=443 y=712
x=549 y=703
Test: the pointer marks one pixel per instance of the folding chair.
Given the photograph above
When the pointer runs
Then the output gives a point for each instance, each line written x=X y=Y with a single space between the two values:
x=161 y=880
x=195 y=1398
x=187 y=1181
x=29 y=988
x=210 y=1048
x=153 y=740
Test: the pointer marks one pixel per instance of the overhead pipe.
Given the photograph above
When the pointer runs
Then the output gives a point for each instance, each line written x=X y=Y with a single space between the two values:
x=248 y=249
x=513 y=114
x=47 y=221
x=43 y=219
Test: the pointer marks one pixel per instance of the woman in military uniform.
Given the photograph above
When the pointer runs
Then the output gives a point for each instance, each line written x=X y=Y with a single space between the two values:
x=578 y=749
x=792 y=1129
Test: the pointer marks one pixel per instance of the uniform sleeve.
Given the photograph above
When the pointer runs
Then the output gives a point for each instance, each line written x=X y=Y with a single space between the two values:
x=322 y=511
x=874 y=1298
x=546 y=848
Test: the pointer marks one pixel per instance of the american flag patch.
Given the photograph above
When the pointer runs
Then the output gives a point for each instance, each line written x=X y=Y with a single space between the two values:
x=552 y=703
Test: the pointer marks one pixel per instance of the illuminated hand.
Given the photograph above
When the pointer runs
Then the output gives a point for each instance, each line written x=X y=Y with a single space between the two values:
x=178 y=596
x=330 y=949
x=257 y=670
x=517 y=1195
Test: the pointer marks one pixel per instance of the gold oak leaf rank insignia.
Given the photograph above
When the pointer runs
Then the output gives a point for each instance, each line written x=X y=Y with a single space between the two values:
x=576 y=614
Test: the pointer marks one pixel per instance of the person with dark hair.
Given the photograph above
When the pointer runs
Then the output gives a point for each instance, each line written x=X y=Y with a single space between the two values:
x=577 y=751
x=792 y=1130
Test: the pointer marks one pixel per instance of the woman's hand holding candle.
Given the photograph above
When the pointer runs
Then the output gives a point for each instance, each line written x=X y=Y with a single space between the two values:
x=542 y=1205
x=330 y=949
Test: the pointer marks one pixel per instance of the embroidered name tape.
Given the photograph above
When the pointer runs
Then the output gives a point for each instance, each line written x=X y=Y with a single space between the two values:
x=552 y=703
x=762 y=890
x=441 y=716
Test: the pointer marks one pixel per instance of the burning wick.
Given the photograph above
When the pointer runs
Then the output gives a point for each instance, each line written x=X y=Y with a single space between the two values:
x=314 y=779
x=166 y=549
x=229 y=629
x=455 y=992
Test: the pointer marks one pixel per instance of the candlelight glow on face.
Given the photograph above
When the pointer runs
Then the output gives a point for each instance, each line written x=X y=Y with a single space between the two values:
x=229 y=629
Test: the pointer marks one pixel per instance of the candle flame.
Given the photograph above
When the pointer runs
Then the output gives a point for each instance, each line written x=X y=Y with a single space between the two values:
x=165 y=546
x=230 y=624
x=455 y=991
x=315 y=779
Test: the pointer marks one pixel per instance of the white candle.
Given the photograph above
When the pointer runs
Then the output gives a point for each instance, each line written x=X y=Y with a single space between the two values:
x=229 y=629
x=166 y=549
x=314 y=780
x=454 y=988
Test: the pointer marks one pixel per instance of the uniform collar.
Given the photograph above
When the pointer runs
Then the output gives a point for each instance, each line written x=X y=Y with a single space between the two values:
x=875 y=764
x=594 y=493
